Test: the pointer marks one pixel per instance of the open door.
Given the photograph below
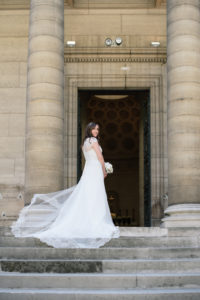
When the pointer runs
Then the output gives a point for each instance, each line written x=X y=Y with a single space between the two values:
x=124 y=119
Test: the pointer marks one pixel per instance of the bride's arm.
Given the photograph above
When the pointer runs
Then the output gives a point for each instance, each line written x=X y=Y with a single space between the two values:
x=96 y=148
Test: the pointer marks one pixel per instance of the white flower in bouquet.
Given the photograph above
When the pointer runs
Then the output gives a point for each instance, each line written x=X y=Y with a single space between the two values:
x=109 y=167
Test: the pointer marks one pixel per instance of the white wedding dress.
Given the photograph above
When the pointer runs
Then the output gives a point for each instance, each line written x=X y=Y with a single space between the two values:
x=78 y=217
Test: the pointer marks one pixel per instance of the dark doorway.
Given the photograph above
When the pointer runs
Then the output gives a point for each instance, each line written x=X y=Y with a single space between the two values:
x=124 y=119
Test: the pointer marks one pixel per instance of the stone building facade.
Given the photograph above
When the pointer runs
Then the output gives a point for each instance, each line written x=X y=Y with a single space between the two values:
x=144 y=95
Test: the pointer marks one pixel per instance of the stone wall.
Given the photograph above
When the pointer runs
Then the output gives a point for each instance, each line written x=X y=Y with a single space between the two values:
x=137 y=27
x=13 y=64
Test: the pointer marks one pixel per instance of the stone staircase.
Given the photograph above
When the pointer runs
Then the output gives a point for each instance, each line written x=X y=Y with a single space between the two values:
x=144 y=263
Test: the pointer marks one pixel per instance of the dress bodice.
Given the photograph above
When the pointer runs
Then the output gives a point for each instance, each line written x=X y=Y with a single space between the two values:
x=88 y=151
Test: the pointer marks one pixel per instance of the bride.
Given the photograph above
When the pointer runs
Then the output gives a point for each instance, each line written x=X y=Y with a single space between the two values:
x=78 y=217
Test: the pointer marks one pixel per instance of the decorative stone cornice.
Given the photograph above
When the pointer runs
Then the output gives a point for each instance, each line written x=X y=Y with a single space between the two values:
x=116 y=59
x=14 y=4
x=93 y=4
x=135 y=4
x=24 y=4
x=127 y=55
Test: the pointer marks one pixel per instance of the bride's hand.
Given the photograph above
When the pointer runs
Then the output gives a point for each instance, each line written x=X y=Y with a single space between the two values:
x=105 y=174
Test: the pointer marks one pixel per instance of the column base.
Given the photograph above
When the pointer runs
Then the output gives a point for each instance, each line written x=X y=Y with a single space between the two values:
x=182 y=215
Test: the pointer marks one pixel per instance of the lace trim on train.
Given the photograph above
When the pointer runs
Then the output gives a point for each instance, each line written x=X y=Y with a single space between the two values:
x=78 y=242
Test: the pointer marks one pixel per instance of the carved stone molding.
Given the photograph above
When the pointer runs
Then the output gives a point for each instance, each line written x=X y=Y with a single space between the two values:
x=162 y=60
x=127 y=55
x=93 y=4
x=25 y=4
x=182 y=215
x=13 y=4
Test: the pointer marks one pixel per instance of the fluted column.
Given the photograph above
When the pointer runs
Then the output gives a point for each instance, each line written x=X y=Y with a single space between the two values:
x=45 y=89
x=183 y=67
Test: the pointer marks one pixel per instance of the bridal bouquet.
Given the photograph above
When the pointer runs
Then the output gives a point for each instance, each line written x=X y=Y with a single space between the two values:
x=109 y=167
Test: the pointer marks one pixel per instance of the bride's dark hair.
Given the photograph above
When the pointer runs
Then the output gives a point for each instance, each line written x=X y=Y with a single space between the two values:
x=88 y=131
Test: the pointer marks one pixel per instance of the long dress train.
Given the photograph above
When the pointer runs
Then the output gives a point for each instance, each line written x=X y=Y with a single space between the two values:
x=78 y=217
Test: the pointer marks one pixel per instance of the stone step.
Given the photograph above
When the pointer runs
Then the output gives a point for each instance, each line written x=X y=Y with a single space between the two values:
x=117 y=294
x=100 y=253
x=100 y=266
x=10 y=241
x=151 y=265
x=184 y=231
x=138 y=231
x=99 y=281
x=154 y=242
x=124 y=231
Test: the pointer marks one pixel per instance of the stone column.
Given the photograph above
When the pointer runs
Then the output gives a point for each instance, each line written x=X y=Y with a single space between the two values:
x=183 y=66
x=45 y=90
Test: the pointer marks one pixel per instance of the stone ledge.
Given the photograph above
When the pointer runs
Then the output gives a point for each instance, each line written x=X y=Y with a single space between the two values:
x=183 y=231
x=124 y=231
x=143 y=231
